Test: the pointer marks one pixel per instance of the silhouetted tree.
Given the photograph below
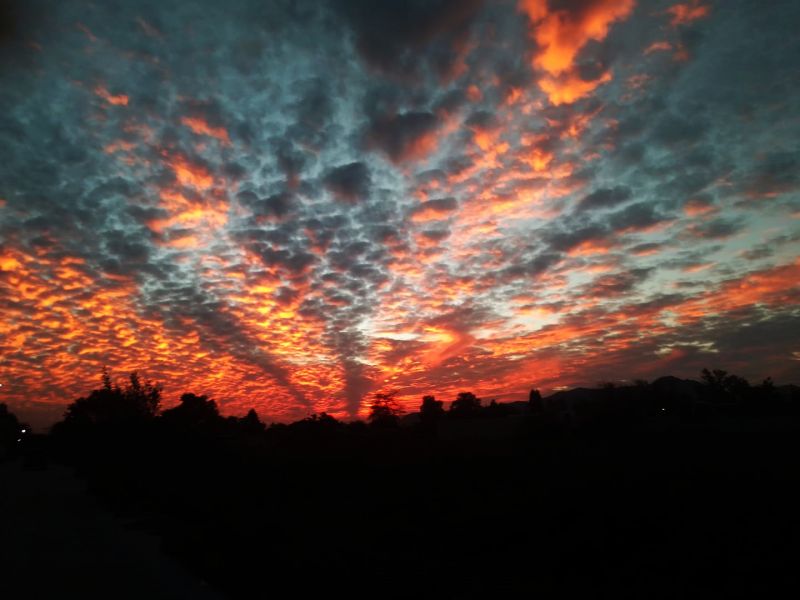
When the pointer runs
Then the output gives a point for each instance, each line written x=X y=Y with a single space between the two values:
x=251 y=423
x=724 y=387
x=431 y=411
x=466 y=404
x=193 y=411
x=714 y=379
x=114 y=404
x=317 y=423
x=323 y=418
x=145 y=395
x=384 y=410
x=535 y=404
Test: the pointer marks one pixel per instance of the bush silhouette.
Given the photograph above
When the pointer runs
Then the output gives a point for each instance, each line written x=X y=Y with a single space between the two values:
x=465 y=405
x=193 y=411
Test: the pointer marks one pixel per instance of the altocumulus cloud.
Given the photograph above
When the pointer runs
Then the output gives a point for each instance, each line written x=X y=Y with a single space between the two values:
x=289 y=205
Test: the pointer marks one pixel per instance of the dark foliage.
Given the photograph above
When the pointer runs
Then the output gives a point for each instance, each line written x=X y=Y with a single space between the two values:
x=113 y=404
x=384 y=412
x=431 y=411
x=465 y=405
x=193 y=412
x=535 y=404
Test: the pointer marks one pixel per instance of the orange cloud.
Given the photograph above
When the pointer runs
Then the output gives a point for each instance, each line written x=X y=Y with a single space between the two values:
x=566 y=90
x=445 y=343
x=116 y=100
x=419 y=148
x=696 y=268
x=191 y=175
x=474 y=93
x=658 y=47
x=118 y=146
x=561 y=35
x=201 y=127
x=683 y=14
x=696 y=207
x=590 y=247
x=77 y=320
x=774 y=286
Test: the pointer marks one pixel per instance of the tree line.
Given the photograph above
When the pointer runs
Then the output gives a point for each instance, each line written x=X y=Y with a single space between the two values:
x=587 y=494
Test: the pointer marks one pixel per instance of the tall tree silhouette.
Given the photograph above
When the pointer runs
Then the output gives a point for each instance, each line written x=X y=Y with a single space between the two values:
x=251 y=423
x=535 y=403
x=431 y=411
x=384 y=411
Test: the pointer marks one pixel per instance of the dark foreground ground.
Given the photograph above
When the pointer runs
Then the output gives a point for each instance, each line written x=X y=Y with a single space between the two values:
x=57 y=541
x=656 y=513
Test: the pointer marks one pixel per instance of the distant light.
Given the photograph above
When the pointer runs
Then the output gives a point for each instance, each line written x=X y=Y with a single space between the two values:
x=663 y=409
x=19 y=439
x=24 y=431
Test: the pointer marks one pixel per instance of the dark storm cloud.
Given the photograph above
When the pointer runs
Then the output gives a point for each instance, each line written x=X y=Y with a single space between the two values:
x=567 y=240
x=289 y=159
x=776 y=173
x=717 y=229
x=529 y=268
x=400 y=135
x=435 y=235
x=482 y=119
x=349 y=182
x=771 y=247
x=672 y=130
x=637 y=216
x=313 y=111
x=605 y=198
x=277 y=205
x=646 y=248
x=398 y=38
x=437 y=206
x=758 y=253
x=610 y=286
x=20 y=22
x=128 y=247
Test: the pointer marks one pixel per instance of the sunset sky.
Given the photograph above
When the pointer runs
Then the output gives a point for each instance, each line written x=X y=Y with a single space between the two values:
x=289 y=205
